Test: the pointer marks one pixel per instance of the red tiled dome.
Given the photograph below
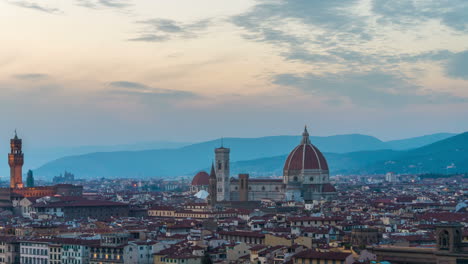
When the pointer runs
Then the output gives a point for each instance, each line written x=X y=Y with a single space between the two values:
x=202 y=178
x=305 y=157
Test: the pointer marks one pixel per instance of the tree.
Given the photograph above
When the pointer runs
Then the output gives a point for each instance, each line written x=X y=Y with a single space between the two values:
x=30 y=179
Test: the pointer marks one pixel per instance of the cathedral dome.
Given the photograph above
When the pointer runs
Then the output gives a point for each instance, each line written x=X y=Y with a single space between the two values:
x=305 y=157
x=202 y=178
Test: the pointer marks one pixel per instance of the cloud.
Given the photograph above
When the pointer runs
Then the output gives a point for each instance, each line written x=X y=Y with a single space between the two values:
x=373 y=88
x=97 y=4
x=310 y=31
x=35 y=6
x=114 y=3
x=457 y=66
x=159 y=30
x=337 y=32
x=31 y=76
x=273 y=16
x=150 y=38
x=126 y=84
x=142 y=91
x=451 y=13
x=164 y=25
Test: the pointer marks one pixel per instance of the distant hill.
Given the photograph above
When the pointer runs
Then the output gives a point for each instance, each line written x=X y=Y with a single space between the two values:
x=37 y=156
x=261 y=156
x=189 y=159
x=416 y=142
x=446 y=156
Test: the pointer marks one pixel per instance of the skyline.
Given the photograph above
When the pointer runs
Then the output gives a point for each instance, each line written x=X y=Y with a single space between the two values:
x=116 y=72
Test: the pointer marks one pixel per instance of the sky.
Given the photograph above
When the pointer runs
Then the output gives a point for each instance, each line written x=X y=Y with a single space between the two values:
x=101 y=72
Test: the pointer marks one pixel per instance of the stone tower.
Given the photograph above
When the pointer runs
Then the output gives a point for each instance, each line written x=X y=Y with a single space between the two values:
x=213 y=197
x=243 y=187
x=222 y=173
x=449 y=237
x=16 y=161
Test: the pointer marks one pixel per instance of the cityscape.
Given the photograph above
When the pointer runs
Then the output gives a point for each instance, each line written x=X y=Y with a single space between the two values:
x=234 y=132
x=214 y=217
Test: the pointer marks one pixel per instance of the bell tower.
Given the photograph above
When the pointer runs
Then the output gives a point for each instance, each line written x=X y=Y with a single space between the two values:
x=16 y=161
x=222 y=173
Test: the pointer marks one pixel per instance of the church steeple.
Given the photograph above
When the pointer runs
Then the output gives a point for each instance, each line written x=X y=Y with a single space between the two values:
x=213 y=185
x=212 y=173
x=305 y=137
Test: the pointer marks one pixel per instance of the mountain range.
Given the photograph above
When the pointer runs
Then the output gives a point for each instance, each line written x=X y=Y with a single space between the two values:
x=446 y=156
x=352 y=153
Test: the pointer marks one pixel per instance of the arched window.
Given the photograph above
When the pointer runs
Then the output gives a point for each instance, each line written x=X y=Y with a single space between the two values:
x=444 y=240
x=295 y=178
x=311 y=178
x=263 y=188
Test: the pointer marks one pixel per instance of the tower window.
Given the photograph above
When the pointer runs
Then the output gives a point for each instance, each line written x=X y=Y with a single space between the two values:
x=219 y=166
x=263 y=188
x=295 y=178
x=311 y=179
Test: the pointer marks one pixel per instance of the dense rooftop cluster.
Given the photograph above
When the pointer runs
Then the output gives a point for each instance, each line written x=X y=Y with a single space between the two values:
x=127 y=221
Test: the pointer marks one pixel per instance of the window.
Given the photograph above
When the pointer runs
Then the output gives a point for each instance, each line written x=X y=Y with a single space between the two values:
x=311 y=179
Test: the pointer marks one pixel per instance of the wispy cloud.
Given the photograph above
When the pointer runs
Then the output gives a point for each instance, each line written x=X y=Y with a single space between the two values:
x=31 y=76
x=114 y=3
x=97 y=4
x=308 y=31
x=457 y=66
x=451 y=13
x=151 y=38
x=145 y=92
x=159 y=30
x=36 y=6
x=372 y=89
